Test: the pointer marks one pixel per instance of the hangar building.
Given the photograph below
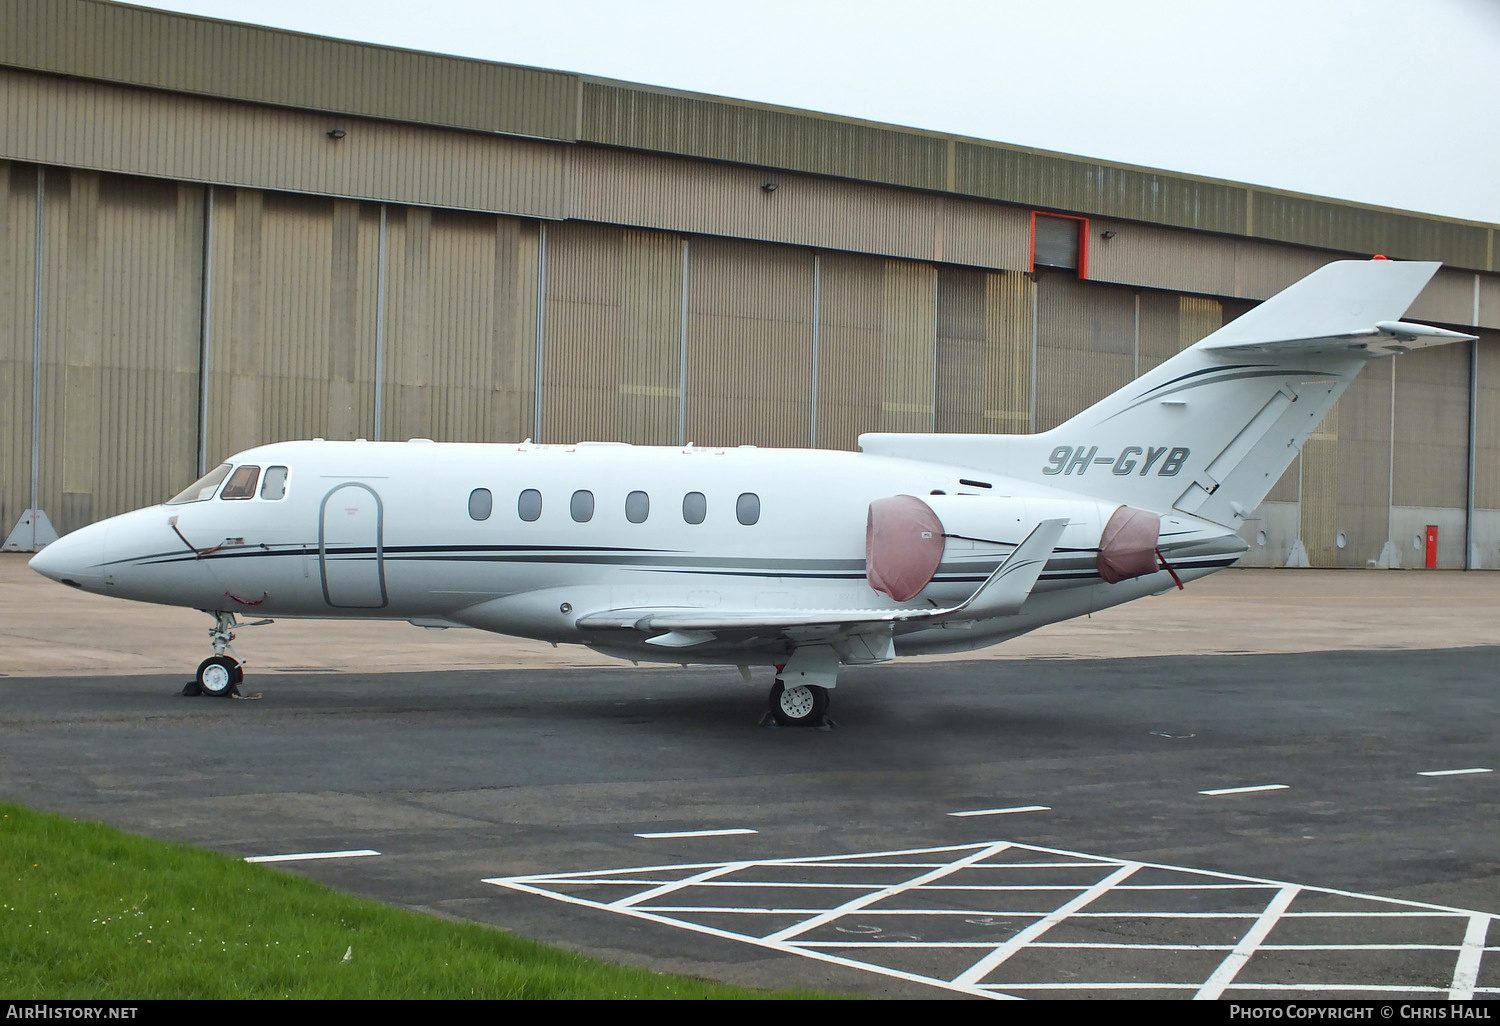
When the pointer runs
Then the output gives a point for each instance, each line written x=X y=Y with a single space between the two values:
x=214 y=235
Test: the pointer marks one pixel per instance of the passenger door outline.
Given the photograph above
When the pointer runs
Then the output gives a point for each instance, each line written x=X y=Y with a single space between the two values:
x=355 y=577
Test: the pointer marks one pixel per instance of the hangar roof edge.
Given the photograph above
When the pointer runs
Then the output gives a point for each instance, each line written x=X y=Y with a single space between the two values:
x=174 y=52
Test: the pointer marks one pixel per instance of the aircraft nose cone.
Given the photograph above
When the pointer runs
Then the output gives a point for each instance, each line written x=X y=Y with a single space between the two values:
x=75 y=559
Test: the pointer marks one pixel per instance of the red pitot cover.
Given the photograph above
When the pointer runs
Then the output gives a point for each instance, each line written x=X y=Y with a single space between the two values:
x=1127 y=548
x=903 y=546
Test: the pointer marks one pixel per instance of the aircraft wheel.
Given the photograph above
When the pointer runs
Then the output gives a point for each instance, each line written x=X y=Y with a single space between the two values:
x=218 y=675
x=801 y=705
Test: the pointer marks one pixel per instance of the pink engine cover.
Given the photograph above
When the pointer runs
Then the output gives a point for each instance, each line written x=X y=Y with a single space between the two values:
x=903 y=546
x=1127 y=548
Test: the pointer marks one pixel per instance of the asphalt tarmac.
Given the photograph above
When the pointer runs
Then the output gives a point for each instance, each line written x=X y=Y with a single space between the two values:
x=1004 y=827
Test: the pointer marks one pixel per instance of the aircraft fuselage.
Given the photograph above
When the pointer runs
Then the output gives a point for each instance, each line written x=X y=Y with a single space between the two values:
x=526 y=539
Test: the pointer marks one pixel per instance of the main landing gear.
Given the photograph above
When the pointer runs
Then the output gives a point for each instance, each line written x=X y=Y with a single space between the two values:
x=801 y=705
x=799 y=697
x=220 y=675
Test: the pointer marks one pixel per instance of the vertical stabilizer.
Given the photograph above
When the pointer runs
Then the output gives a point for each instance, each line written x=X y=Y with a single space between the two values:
x=1211 y=430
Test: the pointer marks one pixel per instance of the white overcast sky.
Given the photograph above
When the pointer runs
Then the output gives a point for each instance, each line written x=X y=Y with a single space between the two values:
x=1391 y=102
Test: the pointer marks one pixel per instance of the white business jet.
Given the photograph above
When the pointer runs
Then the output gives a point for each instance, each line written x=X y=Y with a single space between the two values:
x=805 y=560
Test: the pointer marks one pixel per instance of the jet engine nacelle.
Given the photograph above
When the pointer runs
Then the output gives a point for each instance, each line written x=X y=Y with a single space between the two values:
x=907 y=538
x=982 y=526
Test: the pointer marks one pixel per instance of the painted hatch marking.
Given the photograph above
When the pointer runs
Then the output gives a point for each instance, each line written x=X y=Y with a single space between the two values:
x=957 y=917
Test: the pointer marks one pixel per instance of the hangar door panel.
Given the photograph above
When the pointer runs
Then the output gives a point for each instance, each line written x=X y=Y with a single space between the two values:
x=350 y=553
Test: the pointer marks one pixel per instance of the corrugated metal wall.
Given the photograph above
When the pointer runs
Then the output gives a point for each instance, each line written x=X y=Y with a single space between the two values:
x=617 y=114
x=908 y=323
x=651 y=338
x=79 y=123
x=849 y=347
x=692 y=196
x=120 y=316
x=322 y=322
x=1346 y=476
x=1070 y=183
x=983 y=351
x=1487 y=427
x=457 y=363
x=1085 y=345
x=1432 y=429
x=273 y=341
x=17 y=276
x=1353 y=229
x=128 y=89
x=622 y=273
x=126 y=44
x=581 y=350
x=749 y=344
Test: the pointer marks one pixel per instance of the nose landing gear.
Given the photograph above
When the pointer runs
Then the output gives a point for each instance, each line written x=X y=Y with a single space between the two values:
x=220 y=675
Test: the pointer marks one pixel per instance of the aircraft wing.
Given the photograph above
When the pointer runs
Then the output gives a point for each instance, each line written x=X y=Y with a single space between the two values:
x=1001 y=594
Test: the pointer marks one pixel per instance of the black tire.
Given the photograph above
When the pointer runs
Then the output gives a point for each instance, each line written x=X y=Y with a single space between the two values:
x=218 y=676
x=801 y=705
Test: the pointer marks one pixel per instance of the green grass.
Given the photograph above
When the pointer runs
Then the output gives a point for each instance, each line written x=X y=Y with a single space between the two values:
x=89 y=912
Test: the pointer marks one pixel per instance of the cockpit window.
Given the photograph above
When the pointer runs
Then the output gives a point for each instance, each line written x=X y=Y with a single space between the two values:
x=203 y=488
x=241 y=483
x=274 y=485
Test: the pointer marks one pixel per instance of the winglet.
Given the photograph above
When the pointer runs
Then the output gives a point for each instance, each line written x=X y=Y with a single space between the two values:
x=1005 y=590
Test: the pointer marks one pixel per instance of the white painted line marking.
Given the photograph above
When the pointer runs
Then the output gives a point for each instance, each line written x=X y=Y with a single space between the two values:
x=865 y=953
x=1223 y=976
x=301 y=856
x=677 y=885
x=1246 y=790
x=697 y=833
x=1466 y=972
x=883 y=893
x=1002 y=812
x=1453 y=773
x=975 y=974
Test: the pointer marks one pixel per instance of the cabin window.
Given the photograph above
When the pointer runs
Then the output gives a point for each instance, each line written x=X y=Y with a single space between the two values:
x=274 y=485
x=694 y=507
x=582 y=506
x=529 y=505
x=241 y=483
x=481 y=504
x=637 y=507
x=201 y=489
x=747 y=508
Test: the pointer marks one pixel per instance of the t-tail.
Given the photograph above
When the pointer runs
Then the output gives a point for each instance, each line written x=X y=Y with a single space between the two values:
x=1211 y=430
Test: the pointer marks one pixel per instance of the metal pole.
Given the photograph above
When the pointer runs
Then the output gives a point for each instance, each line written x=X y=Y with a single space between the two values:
x=1135 y=358
x=541 y=324
x=34 y=529
x=1031 y=411
x=1390 y=473
x=937 y=317
x=1473 y=441
x=682 y=337
x=817 y=299
x=380 y=288
x=205 y=327
x=36 y=352
x=1469 y=552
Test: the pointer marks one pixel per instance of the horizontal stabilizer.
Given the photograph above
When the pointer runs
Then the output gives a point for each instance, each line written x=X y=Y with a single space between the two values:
x=1002 y=594
x=1346 y=305
x=1383 y=339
